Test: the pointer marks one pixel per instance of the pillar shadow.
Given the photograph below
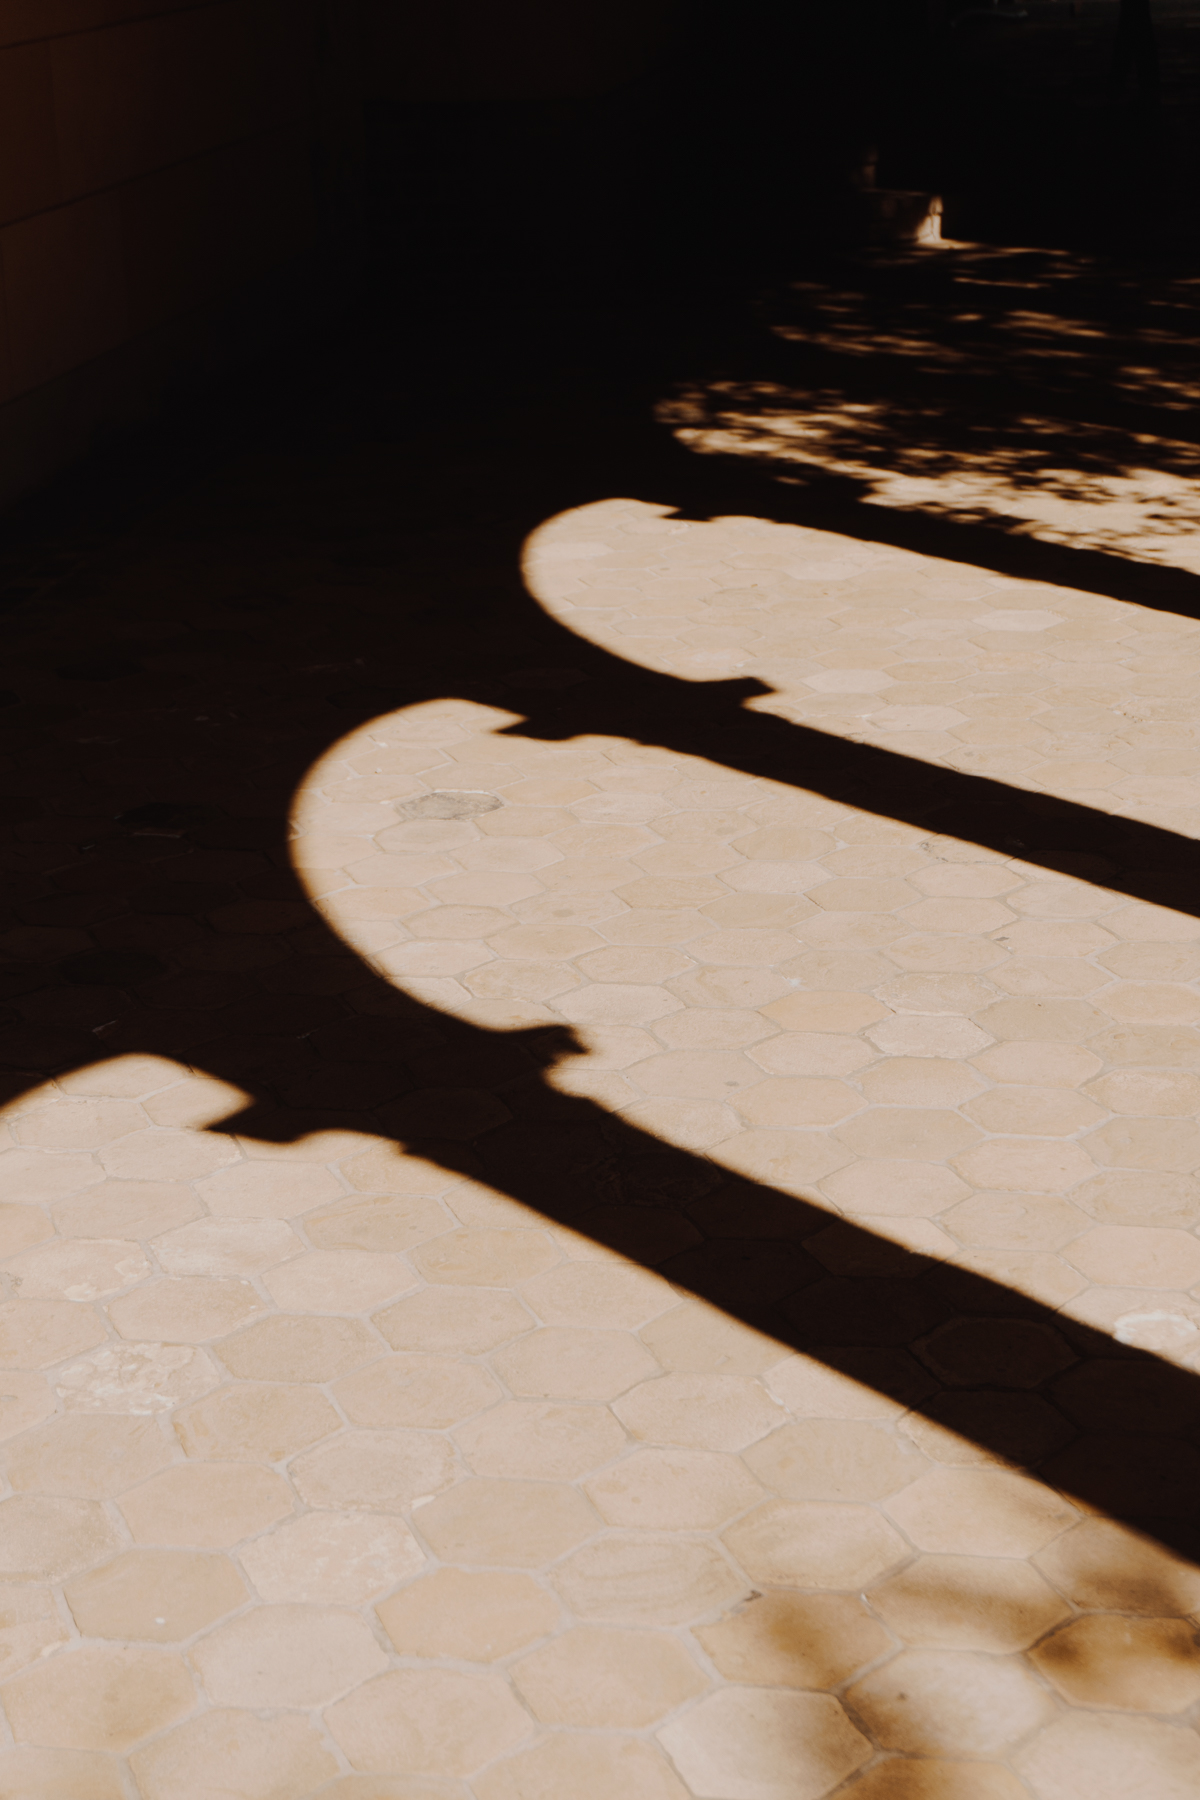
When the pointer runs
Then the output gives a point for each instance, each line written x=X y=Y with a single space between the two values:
x=375 y=575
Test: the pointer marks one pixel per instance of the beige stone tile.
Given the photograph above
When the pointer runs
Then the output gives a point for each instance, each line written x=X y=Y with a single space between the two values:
x=694 y=1338
x=185 y=1309
x=813 y=1545
x=673 y=1489
x=482 y=1258
x=514 y=1524
x=1155 y=1319
x=1041 y=1112
x=598 y=1295
x=951 y=1703
x=1140 y=1046
x=1129 y=1256
x=608 y=1091
x=808 y=1053
x=1037 y=1020
x=1038 y=937
x=811 y=1009
x=1144 y=1665
x=835 y=1459
x=864 y=894
x=791 y=1101
x=380 y=1472
x=637 y=1578
x=1170 y=1144
x=596 y=1678
x=287 y=1656
x=30 y=1628
x=793 y=1161
x=618 y=1003
x=127 y=1209
x=1148 y=1002
x=194 y=1104
x=690 y=1124
x=133 y=1378
x=1102 y=1564
x=1037 y=1165
x=560 y=1363
x=698 y=1074
x=470 y=1617
x=332 y=1558
x=934 y=953
x=645 y=963
x=338 y=1281
x=226 y=1247
x=784 y=843
x=416 y=1390
x=984 y=1512
x=78 y=1124
x=906 y=1188
x=1016 y=1221
x=618 y=1046
x=210 y=1505
x=45 y=1538
x=472 y=1204
x=514 y=982
x=159 y=1154
x=1162 y=1092
x=1060 y=975
x=729 y=988
x=522 y=1439
x=920 y=1081
x=35 y=1334
x=1153 y=962
x=298 y=1347
x=588 y=1768
x=1107 y=1757
x=488 y=889
x=699 y=1411
x=251 y=1422
x=90 y=1457
x=795 y=1640
x=98 y=1698
x=1127 y=1197
x=21 y=1227
x=766 y=1743
x=34 y=1179
x=392 y=1787
x=968 y=1603
x=378 y=1222
x=654 y=926
x=155 y=1596
x=386 y=1168
x=237 y=1752
x=262 y=1189
x=910 y=1034
x=906 y=1132
x=811 y=1388
x=470 y=1320
x=429 y=1721
x=961 y=881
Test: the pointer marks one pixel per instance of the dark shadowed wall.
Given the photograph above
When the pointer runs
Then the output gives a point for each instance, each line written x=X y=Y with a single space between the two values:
x=168 y=171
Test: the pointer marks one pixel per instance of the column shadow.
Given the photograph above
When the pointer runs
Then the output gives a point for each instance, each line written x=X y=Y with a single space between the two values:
x=399 y=584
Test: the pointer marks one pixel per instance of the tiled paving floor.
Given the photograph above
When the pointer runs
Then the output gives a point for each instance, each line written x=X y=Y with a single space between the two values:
x=667 y=1264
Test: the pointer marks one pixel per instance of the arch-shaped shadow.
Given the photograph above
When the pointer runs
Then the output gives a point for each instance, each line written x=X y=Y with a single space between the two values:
x=302 y=1044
